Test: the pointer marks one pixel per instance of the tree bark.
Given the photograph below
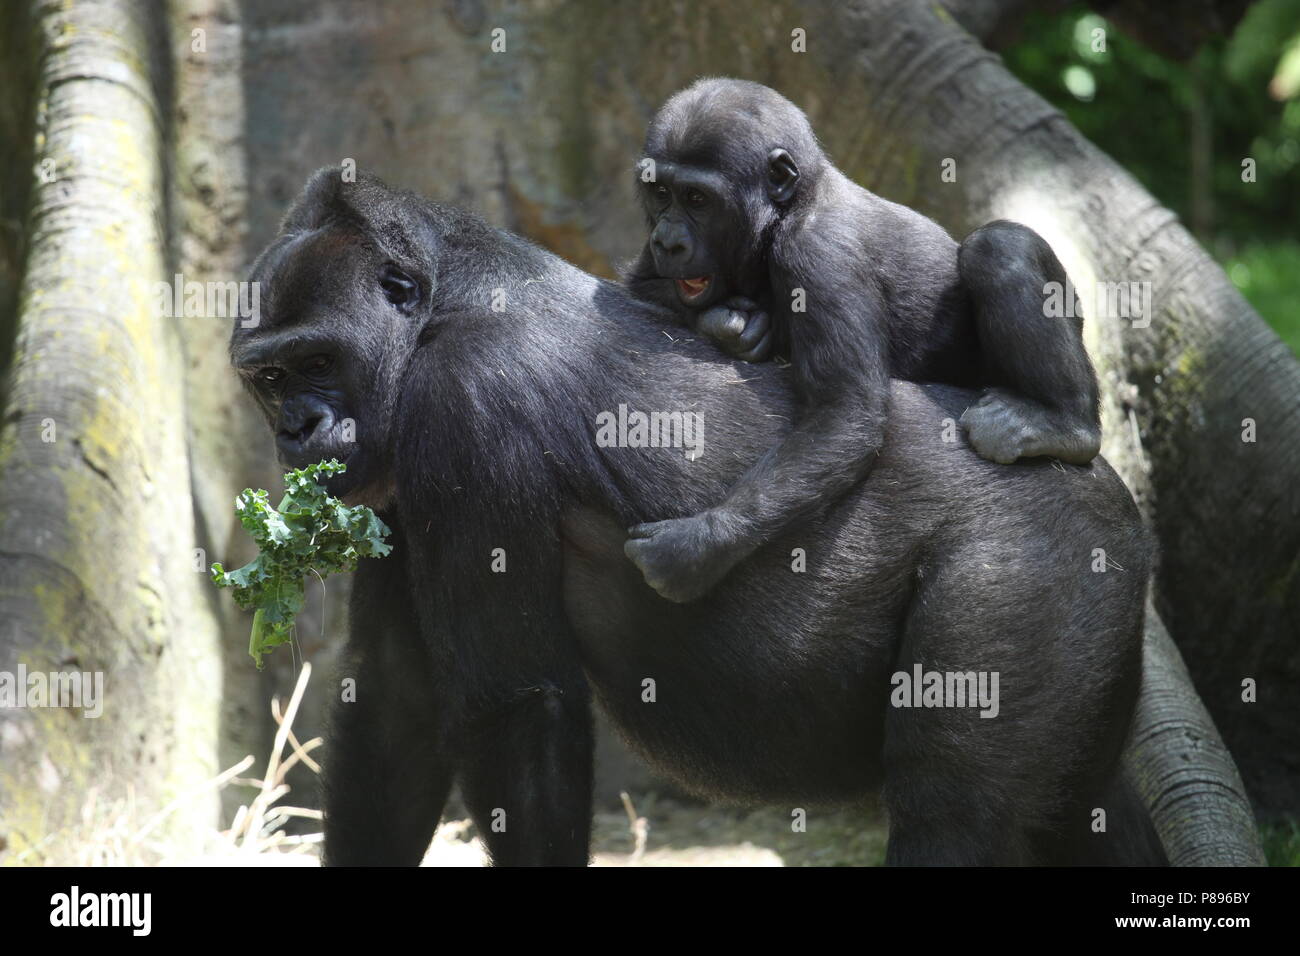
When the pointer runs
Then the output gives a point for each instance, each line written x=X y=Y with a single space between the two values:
x=229 y=446
x=96 y=566
x=17 y=107
x=1179 y=764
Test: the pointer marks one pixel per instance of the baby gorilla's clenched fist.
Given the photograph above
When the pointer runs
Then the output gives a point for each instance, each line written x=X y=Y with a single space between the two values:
x=739 y=327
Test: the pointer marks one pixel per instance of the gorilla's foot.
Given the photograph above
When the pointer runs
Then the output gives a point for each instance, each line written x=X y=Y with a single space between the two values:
x=1003 y=427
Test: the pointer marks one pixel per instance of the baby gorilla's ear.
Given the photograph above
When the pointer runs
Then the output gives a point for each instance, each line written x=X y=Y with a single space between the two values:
x=782 y=176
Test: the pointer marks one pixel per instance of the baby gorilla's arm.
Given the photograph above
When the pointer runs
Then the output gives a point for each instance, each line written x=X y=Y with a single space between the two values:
x=683 y=558
x=843 y=383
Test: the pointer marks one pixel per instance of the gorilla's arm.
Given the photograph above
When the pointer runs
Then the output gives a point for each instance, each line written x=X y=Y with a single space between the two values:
x=842 y=382
x=389 y=716
x=488 y=562
x=518 y=743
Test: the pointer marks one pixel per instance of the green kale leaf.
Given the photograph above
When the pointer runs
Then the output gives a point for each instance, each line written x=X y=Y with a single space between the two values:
x=309 y=532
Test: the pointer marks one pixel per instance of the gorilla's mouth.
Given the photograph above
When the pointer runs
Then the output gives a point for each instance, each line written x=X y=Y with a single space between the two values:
x=691 y=289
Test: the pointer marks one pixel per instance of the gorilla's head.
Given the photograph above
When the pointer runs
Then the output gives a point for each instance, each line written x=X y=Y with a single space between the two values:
x=345 y=290
x=731 y=157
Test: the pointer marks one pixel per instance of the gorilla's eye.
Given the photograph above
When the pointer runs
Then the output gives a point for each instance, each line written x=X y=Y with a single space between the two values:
x=659 y=191
x=696 y=198
x=399 y=288
x=269 y=376
x=317 y=363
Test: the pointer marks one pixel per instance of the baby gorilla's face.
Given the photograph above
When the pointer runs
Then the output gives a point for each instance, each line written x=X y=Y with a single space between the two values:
x=692 y=222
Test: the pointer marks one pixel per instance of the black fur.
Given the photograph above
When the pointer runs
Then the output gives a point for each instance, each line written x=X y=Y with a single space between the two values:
x=478 y=434
x=742 y=195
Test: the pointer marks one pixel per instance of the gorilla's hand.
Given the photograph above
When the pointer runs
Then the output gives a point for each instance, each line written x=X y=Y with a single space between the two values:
x=740 y=328
x=682 y=558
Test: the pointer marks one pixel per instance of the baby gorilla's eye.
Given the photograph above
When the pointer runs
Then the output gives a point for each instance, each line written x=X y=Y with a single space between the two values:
x=317 y=363
x=659 y=191
x=696 y=198
x=269 y=376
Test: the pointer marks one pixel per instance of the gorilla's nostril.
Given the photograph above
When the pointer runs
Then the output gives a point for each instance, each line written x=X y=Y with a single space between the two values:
x=302 y=432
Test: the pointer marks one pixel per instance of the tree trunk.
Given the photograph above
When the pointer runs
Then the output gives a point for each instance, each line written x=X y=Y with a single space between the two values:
x=97 y=572
x=1179 y=765
x=229 y=444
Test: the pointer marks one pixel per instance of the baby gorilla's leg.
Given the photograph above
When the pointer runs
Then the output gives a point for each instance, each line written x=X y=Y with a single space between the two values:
x=1047 y=402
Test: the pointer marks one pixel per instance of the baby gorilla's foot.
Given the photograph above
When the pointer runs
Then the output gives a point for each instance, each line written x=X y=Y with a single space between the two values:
x=1003 y=427
x=681 y=558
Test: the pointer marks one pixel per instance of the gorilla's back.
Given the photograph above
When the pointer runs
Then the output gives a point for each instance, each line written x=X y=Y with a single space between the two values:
x=938 y=555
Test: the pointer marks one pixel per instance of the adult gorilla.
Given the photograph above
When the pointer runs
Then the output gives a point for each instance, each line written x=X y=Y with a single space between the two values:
x=474 y=366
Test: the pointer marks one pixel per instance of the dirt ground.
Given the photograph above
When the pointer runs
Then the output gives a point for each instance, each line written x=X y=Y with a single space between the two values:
x=682 y=833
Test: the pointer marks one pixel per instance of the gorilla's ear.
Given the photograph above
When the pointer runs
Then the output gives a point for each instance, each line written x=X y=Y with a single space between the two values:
x=782 y=176
x=319 y=201
x=397 y=223
x=328 y=199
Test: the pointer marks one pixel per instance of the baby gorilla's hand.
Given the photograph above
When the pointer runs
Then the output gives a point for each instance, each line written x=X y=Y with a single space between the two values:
x=740 y=329
x=681 y=558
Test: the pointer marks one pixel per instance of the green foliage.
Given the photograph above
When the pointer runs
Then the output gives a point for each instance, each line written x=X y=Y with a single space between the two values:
x=1281 y=842
x=1268 y=274
x=309 y=532
x=1138 y=106
x=1142 y=109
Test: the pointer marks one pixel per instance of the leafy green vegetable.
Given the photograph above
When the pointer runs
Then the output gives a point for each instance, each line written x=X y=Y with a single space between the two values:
x=310 y=531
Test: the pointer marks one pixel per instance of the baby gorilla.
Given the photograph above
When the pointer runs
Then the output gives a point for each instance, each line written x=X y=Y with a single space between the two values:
x=760 y=242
